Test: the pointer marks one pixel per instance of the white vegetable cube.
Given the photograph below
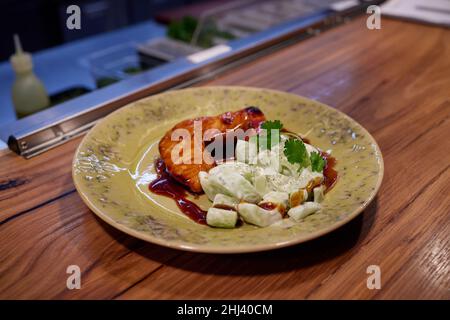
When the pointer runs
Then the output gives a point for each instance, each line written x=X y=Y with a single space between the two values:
x=308 y=177
x=279 y=198
x=246 y=151
x=260 y=217
x=235 y=185
x=260 y=184
x=241 y=152
x=243 y=169
x=318 y=194
x=298 y=197
x=303 y=210
x=269 y=160
x=221 y=200
x=208 y=187
x=221 y=218
x=252 y=149
x=203 y=176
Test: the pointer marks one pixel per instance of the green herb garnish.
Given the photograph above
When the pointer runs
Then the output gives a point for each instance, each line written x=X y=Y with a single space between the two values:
x=265 y=136
x=317 y=162
x=295 y=152
x=269 y=125
x=182 y=29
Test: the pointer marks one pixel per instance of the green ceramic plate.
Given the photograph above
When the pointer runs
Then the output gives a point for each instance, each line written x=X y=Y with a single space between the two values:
x=113 y=166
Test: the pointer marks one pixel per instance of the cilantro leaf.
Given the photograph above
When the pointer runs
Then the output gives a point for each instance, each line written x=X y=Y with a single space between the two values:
x=295 y=152
x=317 y=162
x=265 y=135
x=269 y=125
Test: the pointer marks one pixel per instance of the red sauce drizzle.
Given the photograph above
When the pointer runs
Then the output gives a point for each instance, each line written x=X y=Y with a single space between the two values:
x=329 y=173
x=267 y=205
x=166 y=186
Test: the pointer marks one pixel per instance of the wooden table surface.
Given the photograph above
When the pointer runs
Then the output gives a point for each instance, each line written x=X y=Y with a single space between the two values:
x=394 y=81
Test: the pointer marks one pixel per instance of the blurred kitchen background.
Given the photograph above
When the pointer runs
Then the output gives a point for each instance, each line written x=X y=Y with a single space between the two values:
x=120 y=39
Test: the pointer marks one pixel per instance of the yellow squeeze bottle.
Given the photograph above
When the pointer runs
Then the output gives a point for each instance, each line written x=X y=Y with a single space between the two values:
x=28 y=92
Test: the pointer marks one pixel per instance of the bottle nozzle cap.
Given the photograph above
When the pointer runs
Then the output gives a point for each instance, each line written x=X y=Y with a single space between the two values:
x=17 y=44
x=20 y=61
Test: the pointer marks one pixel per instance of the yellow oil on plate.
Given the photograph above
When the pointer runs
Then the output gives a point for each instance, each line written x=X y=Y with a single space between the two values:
x=113 y=167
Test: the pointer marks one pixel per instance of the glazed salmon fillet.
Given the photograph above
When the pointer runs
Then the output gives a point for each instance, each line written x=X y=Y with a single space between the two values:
x=186 y=172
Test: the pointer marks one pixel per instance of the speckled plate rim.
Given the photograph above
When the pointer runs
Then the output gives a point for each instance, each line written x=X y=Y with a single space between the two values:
x=241 y=248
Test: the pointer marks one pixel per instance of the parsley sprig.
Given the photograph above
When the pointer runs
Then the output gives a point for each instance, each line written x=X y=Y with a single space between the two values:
x=265 y=136
x=295 y=151
x=275 y=124
x=317 y=162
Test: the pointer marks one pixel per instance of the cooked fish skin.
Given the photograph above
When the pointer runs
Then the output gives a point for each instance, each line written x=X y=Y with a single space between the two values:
x=187 y=173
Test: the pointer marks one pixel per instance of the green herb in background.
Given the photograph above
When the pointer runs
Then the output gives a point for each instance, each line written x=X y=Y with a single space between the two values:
x=208 y=34
x=105 y=81
x=133 y=70
x=184 y=29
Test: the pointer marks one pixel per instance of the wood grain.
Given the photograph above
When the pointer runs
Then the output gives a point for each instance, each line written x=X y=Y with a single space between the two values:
x=394 y=81
x=27 y=184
